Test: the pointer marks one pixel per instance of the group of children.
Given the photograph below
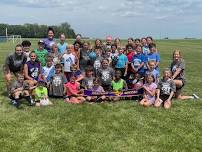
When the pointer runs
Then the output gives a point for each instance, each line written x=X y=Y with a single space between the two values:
x=62 y=70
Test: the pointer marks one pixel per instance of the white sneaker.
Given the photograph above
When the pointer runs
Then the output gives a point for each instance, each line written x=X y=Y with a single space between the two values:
x=195 y=96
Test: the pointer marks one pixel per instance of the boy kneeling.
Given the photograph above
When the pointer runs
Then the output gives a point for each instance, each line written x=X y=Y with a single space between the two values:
x=20 y=89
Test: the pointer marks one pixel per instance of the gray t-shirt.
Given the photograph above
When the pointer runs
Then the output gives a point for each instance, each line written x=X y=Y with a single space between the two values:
x=106 y=75
x=57 y=85
x=180 y=64
x=15 y=63
x=24 y=85
x=84 y=59
x=166 y=86
x=87 y=82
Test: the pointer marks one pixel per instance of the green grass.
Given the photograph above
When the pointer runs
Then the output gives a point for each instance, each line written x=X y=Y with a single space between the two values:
x=121 y=126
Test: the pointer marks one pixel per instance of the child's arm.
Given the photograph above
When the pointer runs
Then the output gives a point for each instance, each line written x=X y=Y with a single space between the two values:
x=157 y=94
x=80 y=78
x=126 y=68
x=178 y=70
x=125 y=85
x=170 y=97
x=151 y=93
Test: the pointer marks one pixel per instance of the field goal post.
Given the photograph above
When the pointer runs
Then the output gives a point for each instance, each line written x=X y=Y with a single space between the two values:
x=14 y=38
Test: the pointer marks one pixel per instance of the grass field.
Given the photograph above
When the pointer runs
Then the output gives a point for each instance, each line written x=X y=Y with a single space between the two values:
x=121 y=126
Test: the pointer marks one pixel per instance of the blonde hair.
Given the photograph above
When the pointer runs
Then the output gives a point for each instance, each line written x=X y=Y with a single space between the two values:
x=176 y=50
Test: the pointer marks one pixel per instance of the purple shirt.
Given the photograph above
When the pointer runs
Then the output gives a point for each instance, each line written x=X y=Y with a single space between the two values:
x=98 y=89
x=48 y=43
x=150 y=87
x=33 y=69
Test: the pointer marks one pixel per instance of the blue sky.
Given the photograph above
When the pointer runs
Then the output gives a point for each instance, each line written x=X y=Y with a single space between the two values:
x=119 y=18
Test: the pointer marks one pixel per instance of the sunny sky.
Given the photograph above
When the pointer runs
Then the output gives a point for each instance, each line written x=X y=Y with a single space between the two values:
x=119 y=18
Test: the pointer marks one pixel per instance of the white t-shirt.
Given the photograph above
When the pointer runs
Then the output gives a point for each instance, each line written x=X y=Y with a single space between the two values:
x=69 y=59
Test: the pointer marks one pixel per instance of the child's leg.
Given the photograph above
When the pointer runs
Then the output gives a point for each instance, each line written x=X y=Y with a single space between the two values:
x=88 y=98
x=81 y=99
x=147 y=103
x=142 y=101
x=73 y=100
x=167 y=104
x=116 y=98
x=178 y=95
x=158 y=103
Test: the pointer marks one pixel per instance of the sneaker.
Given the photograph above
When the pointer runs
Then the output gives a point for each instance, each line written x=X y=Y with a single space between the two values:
x=195 y=96
x=15 y=103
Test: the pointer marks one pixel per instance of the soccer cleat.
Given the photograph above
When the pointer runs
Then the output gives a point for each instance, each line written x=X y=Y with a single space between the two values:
x=195 y=96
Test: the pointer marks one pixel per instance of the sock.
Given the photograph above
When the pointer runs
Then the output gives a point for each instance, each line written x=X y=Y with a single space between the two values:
x=29 y=100
x=17 y=103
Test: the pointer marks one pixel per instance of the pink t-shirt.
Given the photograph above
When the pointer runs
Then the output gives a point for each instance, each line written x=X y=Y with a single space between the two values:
x=73 y=86
x=150 y=87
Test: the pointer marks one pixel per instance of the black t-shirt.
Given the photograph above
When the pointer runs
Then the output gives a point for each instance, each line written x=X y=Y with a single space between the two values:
x=15 y=63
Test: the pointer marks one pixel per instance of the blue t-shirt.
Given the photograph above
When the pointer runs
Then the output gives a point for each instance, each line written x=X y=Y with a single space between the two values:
x=155 y=73
x=122 y=60
x=137 y=60
x=62 y=47
x=153 y=57
x=145 y=50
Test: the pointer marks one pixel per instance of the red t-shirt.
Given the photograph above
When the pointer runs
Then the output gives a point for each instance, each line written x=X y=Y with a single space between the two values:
x=73 y=86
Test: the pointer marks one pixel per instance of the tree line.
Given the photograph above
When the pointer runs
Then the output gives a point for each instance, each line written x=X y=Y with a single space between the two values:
x=36 y=31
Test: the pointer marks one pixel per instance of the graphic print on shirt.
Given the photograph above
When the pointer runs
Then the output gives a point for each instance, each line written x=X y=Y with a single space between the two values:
x=105 y=75
x=166 y=88
x=136 y=63
x=57 y=81
x=34 y=72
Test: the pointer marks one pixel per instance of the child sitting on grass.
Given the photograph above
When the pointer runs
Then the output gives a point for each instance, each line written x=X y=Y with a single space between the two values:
x=20 y=89
x=149 y=91
x=165 y=90
x=41 y=94
x=118 y=84
x=98 y=89
x=72 y=91
x=87 y=82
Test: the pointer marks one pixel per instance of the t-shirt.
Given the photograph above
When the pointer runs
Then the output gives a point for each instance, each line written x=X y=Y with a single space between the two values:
x=84 y=59
x=180 y=64
x=155 y=73
x=69 y=59
x=137 y=60
x=48 y=72
x=153 y=57
x=16 y=85
x=106 y=75
x=122 y=60
x=77 y=74
x=62 y=47
x=41 y=56
x=145 y=50
x=118 y=85
x=15 y=63
x=48 y=43
x=34 y=69
x=57 y=85
x=88 y=82
x=73 y=86
x=130 y=56
x=166 y=86
x=151 y=87
x=55 y=57
x=40 y=92
x=98 y=89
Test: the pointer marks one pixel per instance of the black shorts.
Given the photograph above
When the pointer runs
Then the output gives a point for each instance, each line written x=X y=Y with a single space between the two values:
x=183 y=83
x=164 y=97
